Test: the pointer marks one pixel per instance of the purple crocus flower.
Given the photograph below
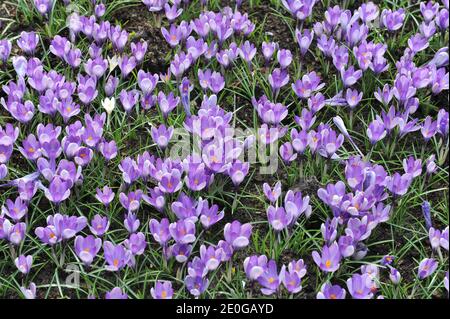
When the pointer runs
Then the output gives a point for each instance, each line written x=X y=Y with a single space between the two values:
x=270 y=279
x=167 y=103
x=5 y=50
x=87 y=248
x=14 y=233
x=394 y=275
x=196 y=48
x=58 y=191
x=309 y=84
x=196 y=285
x=429 y=128
x=171 y=182
x=209 y=215
x=291 y=280
x=268 y=49
x=24 y=263
x=272 y=195
x=216 y=82
x=237 y=171
x=27 y=189
x=28 y=42
x=368 y=11
x=353 y=97
x=131 y=202
x=105 y=196
x=116 y=256
x=304 y=39
x=111 y=84
x=181 y=252
x=399 y=184
x=350 y=76
x=155 y=198
x=359 y=286
x=30 y=292
x=3 y=171
x=99 y=225
x=116 y=293
x=128 y=99
x=237 y=235
x=429 y=10
x=444 y=238
x=328 y=291
x=136 y=243
x=139 y=49
x=183 y=231
x=86 y=89
x=329 y=230
x=108 y=149
x=278 y=218
x=255 y=266
x=173 y=35
x=427 y=267
x=330 y=259
x=247 y=52
x=418 y=43
x=412 y=166
x=161 y=135
x=162 y=290
x=73 y=58
x=277 y=79
x=15 y=210
x=131 y=222
x=376 y=131
x=127 y=65
x=147 y=82
x=284 y=58
x=434 y=235
x=392 y=20
x=160 y=231
x=184 y=208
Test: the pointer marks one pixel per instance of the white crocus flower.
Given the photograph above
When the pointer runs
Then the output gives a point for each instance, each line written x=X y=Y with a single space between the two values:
x=109 y=104
x=113 y=63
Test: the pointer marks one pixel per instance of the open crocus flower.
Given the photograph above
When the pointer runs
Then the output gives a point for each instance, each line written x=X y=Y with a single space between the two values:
x=278 y=218
x=161 y=135
x=105 y=195
x=183 y=231
x=272 y=194
x=24 y=263
x=99 y=225
x=136 y=243
x=117 y=256
x=15 y=210
x=359 y=286
x=116 y=293
x=328 y=291
x=237 y=235
x=330 y=259
x=109 y=104
x=162 y=290
x=209 y=215
x=87 y=248
x=427 y=267
x=30 y=292
x=270 y=279
x=291 y=280
x=211 y=257
x=160 y=231
x=255 y=266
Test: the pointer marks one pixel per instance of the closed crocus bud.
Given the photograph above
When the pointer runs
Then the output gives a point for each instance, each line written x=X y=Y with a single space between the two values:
x=109 y=104
x=394 y=275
